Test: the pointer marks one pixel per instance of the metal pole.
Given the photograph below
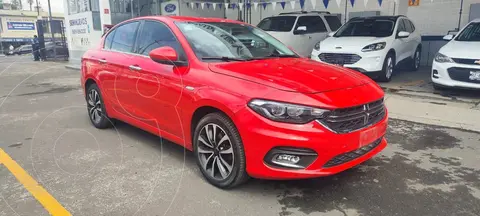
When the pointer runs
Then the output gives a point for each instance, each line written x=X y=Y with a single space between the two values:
x=346 y=3
x=394 y=7
x=51 y=30
x=460 y=16
x=38 y=9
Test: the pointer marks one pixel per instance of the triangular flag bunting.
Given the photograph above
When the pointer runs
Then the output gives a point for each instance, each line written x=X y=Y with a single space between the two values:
x=365 y=2
x=255 y=6
x=202 y=4
x=208 y=5
x=283 y=5
x=248 y=5
x=339 y=2
x=264 y=5
x=302 y=3
x=192 y=5
x=352 y=2
x=226 y=6
x=380 y=2
x=214 y=5
x=325 y=3
x=292 y=3
x=314 y=3
x=233 y=6
x=197 y=4
x=240 y=6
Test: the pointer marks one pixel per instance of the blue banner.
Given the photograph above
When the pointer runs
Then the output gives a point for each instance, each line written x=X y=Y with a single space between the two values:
x=283 y=5
x=325 y=3
x=352 y=2
x=302 y=3
x=380 y=2
x=20 y=26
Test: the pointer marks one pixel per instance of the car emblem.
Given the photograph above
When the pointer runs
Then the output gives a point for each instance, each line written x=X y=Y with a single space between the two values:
x=477 y=62
x=366 y=115
x=338 y=47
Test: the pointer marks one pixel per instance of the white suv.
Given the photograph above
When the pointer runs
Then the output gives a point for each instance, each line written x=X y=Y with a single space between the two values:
x=457 y=64
x=301 y=30
x=372 y=45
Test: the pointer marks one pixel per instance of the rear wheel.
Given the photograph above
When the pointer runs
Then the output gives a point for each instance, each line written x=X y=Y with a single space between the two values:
x=219 y=151
x=388 y=68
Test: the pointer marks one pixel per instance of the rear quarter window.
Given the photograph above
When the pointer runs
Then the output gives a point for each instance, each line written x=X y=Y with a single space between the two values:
x=334 y=22
x=279 y=23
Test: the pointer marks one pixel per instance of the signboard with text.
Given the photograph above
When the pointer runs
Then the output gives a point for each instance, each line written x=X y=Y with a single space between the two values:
x=21 y=26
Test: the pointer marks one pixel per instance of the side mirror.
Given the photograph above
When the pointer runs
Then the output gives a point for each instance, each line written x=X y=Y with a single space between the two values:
x=331 y=34
x=403 y=34
x=448 y=37
x=166 y=55
x=300 y=30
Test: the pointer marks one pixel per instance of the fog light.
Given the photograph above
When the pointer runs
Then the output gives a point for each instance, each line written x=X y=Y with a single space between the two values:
x=287 y=160
x=435 y=74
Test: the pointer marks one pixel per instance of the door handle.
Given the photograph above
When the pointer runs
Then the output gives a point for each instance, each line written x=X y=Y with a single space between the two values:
x=103 y=61
x=134 y=67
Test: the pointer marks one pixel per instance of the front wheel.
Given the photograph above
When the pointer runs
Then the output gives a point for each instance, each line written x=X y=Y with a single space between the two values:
x=219 y=151
x=96 y=108
x=388 y=68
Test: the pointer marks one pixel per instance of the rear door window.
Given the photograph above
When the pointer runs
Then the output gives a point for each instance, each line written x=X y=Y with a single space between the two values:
x=333 y=22
x=278 y=24
x=314 y=24
x=124 y=37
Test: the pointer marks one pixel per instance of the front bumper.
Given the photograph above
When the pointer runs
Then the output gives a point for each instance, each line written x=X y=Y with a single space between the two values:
x=440 y=75
x=371 y=62
x=260 y=136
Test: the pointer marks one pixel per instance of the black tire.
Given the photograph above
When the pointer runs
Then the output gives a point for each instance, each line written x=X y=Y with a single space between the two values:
x=237 y=174
x=416 y=59
x=386 y=75
x=438 y=87
x=96 y=112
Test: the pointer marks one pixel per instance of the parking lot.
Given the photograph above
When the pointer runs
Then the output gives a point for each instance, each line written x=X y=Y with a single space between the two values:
x=44 y=127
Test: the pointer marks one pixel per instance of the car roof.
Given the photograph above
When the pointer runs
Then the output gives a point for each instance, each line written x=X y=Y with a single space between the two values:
x=393 y=18
x=476 y=20
x=188 y=19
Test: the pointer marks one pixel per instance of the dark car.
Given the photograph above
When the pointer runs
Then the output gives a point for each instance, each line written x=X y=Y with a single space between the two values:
x=24 y=49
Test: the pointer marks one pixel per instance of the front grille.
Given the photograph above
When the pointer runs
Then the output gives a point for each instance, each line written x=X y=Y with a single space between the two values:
x=343 y=158
x=354 y=118
x=339 y=58
x=466 y=61
x=463 y=74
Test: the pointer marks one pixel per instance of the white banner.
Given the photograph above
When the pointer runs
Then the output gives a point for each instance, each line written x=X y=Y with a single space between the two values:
x=314 y=3
x=226 y=6
x=274 y=5
x=214 y=5
x=192 y=5
x=240 y=6
x=339 y=2
x=365 y=2
x=202 y=5
x=292 y=3
x=255 y=6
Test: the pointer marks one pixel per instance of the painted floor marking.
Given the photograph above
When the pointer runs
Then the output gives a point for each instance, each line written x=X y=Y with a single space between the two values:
x=42 y=196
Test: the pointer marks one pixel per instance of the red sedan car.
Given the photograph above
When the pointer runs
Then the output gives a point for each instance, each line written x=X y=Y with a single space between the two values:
x=243 y=102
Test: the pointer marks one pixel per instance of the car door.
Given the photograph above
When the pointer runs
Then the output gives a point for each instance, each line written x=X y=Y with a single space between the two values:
x=415 y=39
x=315 y=31
x=159 y=86
x=118 y=78
x=411 y=39
x=401 y=44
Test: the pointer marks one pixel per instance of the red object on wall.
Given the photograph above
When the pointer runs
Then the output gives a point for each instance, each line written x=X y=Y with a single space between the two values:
x=106 y=11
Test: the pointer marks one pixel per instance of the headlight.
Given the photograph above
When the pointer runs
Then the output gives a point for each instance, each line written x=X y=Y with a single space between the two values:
x=284 y=112
x=442 y=58
x=317 y=46
x=374 y=47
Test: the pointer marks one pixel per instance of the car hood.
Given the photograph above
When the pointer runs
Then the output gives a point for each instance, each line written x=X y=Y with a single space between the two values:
x=292 y=74
x=347 y=43
x=461 y=49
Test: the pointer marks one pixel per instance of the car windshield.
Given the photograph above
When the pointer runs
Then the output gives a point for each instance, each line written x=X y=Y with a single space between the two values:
x=224 y=41
x=278 y=24
x=470 y=33
x=366 y=28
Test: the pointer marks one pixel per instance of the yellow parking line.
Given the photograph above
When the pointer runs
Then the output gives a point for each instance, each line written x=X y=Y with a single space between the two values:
x=47 y=200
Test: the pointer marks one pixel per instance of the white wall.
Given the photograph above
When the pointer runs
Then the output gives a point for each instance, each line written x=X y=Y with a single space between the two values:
x=439 y=16
x=198 y=12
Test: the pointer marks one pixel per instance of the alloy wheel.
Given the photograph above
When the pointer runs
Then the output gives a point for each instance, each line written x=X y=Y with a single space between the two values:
x=94 y=105
x=215 y=151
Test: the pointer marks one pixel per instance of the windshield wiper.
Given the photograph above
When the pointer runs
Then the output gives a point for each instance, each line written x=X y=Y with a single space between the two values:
x=224 y=58
x=277 y=56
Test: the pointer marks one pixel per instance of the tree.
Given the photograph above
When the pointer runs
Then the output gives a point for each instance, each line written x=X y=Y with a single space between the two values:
x=16 y=5
x=30 y=2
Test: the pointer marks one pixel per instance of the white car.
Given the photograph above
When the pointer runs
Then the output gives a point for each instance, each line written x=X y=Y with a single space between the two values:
x=301 y=30
x=372 y=45
x=457 y=64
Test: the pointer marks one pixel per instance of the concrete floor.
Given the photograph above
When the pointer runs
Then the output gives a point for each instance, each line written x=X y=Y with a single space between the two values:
x=425 y=170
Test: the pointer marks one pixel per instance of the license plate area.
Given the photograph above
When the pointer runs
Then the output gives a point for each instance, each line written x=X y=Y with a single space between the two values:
x=371 y=135
x=474 y=75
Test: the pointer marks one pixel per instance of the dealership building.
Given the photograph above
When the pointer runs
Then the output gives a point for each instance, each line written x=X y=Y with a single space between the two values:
x=86 y=19
x=17 y=27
